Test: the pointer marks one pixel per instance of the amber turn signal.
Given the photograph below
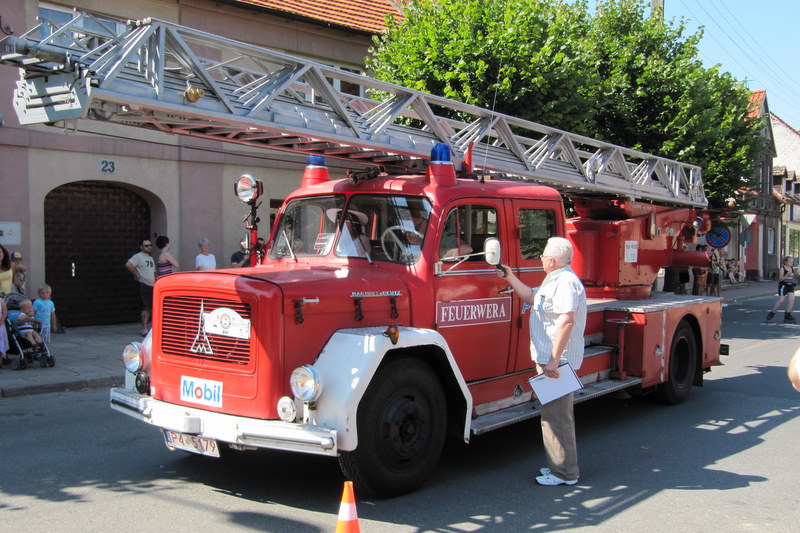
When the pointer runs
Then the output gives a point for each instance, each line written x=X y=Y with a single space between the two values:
x=393 y=333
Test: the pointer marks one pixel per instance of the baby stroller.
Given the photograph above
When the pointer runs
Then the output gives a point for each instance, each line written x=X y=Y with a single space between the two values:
x=20 y=351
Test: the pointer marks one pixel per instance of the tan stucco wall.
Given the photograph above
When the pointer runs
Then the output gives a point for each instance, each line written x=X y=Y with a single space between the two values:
x=157 y=9
x=187 y=182
x=49 y=169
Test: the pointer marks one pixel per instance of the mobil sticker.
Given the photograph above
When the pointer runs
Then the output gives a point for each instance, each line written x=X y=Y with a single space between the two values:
x=472 y=312
x=201 y=391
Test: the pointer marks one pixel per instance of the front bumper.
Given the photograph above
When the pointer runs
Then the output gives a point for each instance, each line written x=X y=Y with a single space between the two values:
x=273 y=434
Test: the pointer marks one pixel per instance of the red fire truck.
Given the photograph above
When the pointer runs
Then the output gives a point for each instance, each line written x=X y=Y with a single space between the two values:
x=376 y=326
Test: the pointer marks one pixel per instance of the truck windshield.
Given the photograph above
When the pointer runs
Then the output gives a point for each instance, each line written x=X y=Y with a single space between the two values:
x=374 y=227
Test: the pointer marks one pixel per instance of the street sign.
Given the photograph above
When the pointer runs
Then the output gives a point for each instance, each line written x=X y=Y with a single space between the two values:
x=718 y=237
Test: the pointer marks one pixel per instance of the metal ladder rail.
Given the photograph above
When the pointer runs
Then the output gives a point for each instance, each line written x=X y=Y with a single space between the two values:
x=119 y=79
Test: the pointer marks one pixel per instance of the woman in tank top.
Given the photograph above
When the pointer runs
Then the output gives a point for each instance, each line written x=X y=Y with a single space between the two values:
x=6 y=272
x=166 y=264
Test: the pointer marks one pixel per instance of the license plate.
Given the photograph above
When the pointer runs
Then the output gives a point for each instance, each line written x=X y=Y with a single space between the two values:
x=191 y=443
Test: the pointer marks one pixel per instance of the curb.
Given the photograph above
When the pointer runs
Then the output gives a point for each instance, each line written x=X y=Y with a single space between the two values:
x=67 y=386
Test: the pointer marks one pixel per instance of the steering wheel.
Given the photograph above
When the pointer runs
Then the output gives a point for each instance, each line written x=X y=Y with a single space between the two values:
x=395 y=249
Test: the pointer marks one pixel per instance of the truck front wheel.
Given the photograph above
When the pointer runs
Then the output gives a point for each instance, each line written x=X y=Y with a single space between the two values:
x=682 y=366
x=402 y=421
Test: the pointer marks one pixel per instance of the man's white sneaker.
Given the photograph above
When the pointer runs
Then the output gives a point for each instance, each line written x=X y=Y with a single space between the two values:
x=544 y=471
x=553 y=480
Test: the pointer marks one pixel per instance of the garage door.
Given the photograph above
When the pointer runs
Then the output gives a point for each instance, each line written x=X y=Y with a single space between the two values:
x=91 y=229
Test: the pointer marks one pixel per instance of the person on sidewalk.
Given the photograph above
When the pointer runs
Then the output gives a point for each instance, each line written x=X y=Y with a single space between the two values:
x=143 y=268
x=166 y=264
x=45 y=311
x=204 y=260
x=557 y=322
x=700 y=274
x=715 y=274
x=23 y=323
x=786 y=283
x=241 y=258
x=3 y=333
x=6 y=272
x=20 y=273
x=735 y=274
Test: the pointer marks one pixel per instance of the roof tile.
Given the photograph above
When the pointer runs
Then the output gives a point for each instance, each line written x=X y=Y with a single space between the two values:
x=364 y=15
x=757 y=101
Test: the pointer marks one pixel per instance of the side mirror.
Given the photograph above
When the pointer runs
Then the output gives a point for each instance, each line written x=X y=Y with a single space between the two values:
x=492 y=251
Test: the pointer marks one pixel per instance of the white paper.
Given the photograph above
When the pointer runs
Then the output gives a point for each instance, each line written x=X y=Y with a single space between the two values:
x=549 y=389
x=631 y=251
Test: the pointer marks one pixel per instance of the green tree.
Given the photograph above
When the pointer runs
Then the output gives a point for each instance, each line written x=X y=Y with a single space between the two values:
x=613 y=73
x=654 y=95
x=519 y=57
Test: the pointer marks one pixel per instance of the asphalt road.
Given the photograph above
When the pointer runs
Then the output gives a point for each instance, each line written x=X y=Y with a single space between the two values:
x=724 y=461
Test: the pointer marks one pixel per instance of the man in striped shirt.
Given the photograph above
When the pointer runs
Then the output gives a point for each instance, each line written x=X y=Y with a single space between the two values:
x=557 y=322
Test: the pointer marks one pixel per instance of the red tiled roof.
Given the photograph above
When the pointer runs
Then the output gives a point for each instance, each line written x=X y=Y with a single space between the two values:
x=364 y=15
x=757 y=100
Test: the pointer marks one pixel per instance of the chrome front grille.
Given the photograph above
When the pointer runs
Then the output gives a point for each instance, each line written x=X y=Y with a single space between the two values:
x=184 y=334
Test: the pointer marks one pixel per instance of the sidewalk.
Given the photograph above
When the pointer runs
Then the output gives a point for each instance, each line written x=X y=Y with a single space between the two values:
x=90 y=357
x=87 y=357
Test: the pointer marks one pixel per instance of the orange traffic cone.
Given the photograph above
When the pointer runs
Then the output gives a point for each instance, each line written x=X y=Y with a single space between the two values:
x=348 y=519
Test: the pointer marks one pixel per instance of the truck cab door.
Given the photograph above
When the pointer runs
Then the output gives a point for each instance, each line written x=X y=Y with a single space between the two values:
x=473 y=313
x=532 y=223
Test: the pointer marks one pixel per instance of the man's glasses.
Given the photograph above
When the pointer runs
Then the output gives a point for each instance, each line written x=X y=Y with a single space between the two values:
x=147 y=245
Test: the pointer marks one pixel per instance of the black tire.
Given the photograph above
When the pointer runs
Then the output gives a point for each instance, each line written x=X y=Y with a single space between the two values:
x=15 y=364
x=43 y=361
x=23 y=363
x=51 y=361
x=682 y=366
x=402 y=423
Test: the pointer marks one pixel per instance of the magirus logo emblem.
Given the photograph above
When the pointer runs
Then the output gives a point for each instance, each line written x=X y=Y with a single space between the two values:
x=201 y=343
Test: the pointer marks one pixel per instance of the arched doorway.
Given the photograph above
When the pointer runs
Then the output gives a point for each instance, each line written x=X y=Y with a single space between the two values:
x=90 y=229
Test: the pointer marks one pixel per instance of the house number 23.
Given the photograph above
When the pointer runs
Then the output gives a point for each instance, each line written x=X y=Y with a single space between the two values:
x=107 y=165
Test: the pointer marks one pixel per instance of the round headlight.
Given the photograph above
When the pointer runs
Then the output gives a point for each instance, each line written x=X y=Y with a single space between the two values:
x=287 y=410
x=133 y=357
x=248 y=189
x=305 y=383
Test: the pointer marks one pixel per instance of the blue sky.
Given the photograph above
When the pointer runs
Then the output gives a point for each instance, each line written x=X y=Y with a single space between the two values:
x=755 y=40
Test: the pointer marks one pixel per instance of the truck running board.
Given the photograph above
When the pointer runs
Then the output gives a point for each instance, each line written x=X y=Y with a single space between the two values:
x=529 y=410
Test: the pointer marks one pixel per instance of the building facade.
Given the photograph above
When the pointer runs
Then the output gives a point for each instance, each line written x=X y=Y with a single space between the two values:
x=76 y=203
x=786 y=185
x=760 y=226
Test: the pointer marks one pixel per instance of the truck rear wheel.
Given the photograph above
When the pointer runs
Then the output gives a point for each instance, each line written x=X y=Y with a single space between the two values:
x=402 y=421
x=682 y=366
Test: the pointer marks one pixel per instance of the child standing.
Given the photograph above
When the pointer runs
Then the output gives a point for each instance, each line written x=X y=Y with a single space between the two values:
x=45 y=311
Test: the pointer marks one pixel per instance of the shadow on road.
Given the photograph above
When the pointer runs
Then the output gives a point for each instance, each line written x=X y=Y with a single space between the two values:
x=638 y=449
